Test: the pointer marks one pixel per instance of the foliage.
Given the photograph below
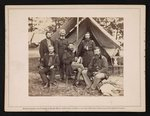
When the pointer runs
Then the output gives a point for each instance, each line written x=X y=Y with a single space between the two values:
x=114 y=26
x=58 y=22
x=42 y=24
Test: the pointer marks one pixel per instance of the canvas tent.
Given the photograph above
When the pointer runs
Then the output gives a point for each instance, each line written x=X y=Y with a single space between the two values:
x=101 y=37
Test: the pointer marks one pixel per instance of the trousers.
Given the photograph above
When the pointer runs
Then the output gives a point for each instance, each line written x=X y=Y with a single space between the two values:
x=97 y=78
x=46 y=71
x=79 y=67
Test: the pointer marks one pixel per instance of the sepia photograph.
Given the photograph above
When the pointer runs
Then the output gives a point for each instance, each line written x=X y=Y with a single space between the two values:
x=75 y=56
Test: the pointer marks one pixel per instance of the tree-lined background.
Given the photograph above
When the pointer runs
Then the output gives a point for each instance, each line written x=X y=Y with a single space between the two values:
x=37 y=26
x=114 y=26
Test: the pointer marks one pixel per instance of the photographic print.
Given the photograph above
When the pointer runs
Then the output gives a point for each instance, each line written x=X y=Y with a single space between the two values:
x=75 y=58
x=70 y=76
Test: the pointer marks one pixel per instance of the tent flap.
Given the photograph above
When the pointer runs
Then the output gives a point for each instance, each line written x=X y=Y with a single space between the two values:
x=99 y=35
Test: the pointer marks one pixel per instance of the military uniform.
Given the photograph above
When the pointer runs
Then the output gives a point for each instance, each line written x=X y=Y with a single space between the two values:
x=70 y=65
x=97 y=68
x=68 y=57
x=86 y=50
x=43 y=49
x=61 y=45
x=98 y=64
x=46 y=68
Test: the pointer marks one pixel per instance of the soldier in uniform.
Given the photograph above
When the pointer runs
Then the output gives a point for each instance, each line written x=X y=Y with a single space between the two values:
x=45 y=44
x=72 y=63
x=48 y=66
x=60 y=45
x=97 y=70
x=86 y=49
x=44 y=50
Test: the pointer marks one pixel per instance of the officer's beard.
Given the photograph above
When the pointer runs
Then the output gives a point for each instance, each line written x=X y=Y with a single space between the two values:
x=49 y=38
x=97 y=56
x=62 y=37
x=87 y=39
x=70 y=49
x=51 y=52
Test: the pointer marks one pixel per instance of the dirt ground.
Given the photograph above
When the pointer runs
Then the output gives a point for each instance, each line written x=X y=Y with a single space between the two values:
x=62 y=89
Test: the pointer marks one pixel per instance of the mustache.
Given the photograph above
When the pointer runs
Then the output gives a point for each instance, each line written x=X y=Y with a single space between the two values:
x=97 y=55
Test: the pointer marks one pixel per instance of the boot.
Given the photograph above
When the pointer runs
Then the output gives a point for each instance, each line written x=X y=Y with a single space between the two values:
x=46 y=85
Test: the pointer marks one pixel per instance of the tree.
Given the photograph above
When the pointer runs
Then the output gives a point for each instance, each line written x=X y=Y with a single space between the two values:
x=59 y=21
x=114 y=26
x=30 y=24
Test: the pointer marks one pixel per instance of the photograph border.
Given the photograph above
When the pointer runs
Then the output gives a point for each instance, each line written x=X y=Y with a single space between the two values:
x=57 y=108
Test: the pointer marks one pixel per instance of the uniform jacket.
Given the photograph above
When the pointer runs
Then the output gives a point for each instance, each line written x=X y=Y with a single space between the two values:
x=82 y=47
x=86 y=54
x=61 y=45
x=68 y=58
x=98 y=64
x=43 y=49
x=49 y=60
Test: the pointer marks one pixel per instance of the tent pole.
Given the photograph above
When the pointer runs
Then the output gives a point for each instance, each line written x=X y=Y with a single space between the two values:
x=77 y=31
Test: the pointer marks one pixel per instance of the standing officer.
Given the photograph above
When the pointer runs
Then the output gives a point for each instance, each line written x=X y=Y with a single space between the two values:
x=86 y=49
x=45 y=44
x=61 y=45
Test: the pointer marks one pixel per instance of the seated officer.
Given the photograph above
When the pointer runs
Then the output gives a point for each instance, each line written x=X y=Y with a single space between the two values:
x=72 y=63
x=97 y=70
x=47 y=67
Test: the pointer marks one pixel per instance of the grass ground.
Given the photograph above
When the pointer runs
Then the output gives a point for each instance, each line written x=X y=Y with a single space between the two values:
x=36 y=87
